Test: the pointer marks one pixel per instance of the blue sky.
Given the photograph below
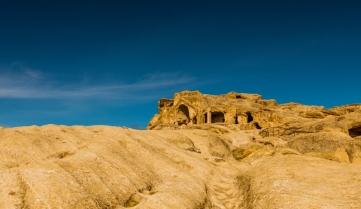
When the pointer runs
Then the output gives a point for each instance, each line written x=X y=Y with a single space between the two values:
x=108 y=62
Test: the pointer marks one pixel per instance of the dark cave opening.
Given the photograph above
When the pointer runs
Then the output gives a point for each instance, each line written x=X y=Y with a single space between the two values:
x=217 y=117
x=355 y=131
x=249 y=117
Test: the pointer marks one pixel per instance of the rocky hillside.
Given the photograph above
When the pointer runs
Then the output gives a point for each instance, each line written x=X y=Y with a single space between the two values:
x=258 y=155
x=329 y=133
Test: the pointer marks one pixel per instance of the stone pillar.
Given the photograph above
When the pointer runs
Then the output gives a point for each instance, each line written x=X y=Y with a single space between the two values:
x=209 y=117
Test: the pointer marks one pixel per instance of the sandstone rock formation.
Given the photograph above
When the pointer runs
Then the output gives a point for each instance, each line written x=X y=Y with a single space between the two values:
x=250 y=111
x=204 y=152
x=313 y=130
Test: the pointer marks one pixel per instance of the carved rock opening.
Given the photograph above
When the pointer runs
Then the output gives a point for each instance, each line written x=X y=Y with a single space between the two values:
x=249 y=117
x=183 y=115
x=355 y=131
x=217 y=117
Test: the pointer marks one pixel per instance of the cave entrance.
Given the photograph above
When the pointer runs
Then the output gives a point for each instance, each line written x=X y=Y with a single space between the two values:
x=217 y=117
x=249 y=117
x=183 y=115
x=355 y=131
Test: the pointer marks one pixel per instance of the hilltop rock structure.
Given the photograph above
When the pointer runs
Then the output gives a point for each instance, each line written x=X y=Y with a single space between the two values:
x=194 y=108
x=250 y=111
x=333 y=133
x=232 y=151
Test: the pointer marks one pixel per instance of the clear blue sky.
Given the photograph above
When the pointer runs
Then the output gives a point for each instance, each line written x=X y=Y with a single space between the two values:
x=108 y=62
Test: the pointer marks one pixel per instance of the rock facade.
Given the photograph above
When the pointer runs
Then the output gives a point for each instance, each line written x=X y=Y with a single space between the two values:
x=250 y=111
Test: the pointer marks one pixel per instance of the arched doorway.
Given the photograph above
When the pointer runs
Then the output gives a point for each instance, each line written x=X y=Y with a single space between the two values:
x=183 y=115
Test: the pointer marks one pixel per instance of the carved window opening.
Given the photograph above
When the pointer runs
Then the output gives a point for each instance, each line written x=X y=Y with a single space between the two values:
x=217 y=117
x=355 y=131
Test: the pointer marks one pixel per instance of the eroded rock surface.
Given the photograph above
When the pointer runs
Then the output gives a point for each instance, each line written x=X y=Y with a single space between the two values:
x=110 y=167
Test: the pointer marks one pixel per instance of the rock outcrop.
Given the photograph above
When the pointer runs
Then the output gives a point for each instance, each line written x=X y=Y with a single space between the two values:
x=234 y=151
x=313 y=130
x=251 y=111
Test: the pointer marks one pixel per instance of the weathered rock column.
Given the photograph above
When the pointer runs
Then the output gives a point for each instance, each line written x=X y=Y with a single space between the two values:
x=209 y=116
